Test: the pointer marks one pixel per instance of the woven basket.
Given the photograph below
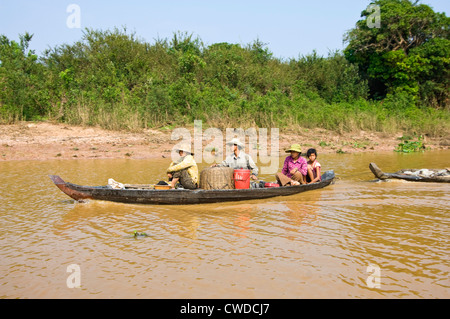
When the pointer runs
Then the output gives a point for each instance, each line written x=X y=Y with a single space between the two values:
x=217 y=178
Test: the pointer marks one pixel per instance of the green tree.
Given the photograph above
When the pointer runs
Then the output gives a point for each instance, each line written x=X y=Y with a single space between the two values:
x=225 y=63
x=187 y=50
x=21 y=93
x=333 y=78
x=402 y=55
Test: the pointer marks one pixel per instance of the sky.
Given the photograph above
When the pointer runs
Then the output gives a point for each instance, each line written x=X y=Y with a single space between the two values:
x=289 y=28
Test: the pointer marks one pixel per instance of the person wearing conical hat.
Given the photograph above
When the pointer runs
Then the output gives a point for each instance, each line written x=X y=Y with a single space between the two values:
x=295 y=168
x=185 y=170
x=239 y=159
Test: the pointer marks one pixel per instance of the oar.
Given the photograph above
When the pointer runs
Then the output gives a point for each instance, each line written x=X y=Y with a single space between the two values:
x=134 y=186
x=145 y=186
x=139 y=186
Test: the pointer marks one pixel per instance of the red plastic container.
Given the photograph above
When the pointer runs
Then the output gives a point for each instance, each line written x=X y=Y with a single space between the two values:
x=241 y=178
x=267 y=185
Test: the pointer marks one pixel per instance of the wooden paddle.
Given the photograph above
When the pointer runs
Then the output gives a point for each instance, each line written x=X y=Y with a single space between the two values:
x=139 y=186
x=146 y=186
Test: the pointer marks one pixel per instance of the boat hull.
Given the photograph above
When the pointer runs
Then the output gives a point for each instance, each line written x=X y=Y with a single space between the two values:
x=181 y=196
x=400 y=175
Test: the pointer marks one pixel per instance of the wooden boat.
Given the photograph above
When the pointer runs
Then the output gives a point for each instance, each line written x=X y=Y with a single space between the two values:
x=413 y=175
x=146 y=195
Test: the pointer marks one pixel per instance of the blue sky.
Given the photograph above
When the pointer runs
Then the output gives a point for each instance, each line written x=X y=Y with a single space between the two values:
x=290 y=28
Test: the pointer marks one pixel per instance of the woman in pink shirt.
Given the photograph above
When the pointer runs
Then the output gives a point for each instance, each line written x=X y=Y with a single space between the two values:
x=294 y=169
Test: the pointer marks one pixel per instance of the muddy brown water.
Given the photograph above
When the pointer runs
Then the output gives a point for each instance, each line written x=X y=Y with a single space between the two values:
x=318 y=244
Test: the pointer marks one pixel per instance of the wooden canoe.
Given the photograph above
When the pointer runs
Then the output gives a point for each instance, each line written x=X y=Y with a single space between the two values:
x=181 y=196
x=412 y=175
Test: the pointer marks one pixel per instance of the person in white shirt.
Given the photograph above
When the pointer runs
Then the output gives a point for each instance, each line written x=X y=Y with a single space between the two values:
x=239 y=159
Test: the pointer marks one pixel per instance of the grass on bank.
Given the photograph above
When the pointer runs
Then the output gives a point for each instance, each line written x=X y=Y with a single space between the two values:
x=338 y=117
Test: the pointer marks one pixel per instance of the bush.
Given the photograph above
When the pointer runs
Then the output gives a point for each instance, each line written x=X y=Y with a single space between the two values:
x=115 y=80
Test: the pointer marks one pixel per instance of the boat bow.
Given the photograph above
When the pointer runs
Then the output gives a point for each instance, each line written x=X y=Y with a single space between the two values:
x=69 y=191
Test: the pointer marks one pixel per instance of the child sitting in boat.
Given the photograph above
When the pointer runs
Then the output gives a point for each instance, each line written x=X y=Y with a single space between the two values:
x=313 y=167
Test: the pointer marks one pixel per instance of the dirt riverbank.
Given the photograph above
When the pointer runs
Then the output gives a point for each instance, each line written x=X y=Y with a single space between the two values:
x=43 y=141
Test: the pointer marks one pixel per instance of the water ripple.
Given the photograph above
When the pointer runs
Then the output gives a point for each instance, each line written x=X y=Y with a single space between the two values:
x=312 y=245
